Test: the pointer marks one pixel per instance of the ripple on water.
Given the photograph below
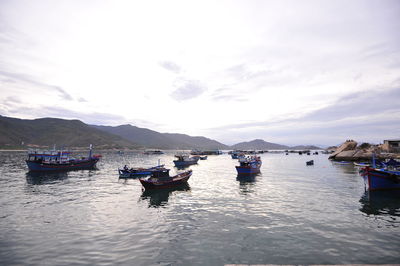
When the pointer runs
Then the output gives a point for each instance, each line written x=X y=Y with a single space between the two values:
x=287 y=214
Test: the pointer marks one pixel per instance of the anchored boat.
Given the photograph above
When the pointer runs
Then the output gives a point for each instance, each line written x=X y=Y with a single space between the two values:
x=127 y=172
x=381 y=179
x=162 y=179
x=59 y=160
x=249 y=165
x=185 y=160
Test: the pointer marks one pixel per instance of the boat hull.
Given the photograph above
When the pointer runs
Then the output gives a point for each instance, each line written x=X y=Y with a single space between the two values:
x=175 y=181
x=246 y=170
x=380 y=179
x=138 y=172
x=184 y=163
x=76 y=165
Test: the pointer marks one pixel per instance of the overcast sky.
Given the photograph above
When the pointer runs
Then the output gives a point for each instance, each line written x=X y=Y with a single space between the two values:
x=289 y=72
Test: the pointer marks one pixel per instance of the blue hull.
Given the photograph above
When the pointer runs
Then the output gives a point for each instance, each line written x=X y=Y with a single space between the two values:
x=381 y=179
x=247 y=170
x=45 y=167
x=184 y=163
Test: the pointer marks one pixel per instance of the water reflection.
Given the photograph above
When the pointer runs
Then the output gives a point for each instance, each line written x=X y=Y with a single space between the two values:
x=381 y=203
x=246 y=183
x=159 y=197
x=40 y=178
x=345 y=167
x=183 y=167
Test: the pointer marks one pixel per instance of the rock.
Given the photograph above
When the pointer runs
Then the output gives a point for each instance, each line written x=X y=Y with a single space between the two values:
x=349 y=145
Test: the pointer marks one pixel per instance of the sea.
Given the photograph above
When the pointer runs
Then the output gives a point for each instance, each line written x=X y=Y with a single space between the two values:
x=290 y=213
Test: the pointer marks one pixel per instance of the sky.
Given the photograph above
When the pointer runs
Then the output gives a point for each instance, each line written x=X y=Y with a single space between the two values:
x=289 y=72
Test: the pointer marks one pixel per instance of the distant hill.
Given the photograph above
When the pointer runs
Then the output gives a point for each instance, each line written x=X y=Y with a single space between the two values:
x=154 y=139
x=21 y=133
x=305 y=147
x=46 y=132
x=258 y=144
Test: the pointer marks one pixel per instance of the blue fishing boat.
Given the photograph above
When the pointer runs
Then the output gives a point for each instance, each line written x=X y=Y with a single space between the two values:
x=185 y=160
x=237 y=155
x=381 y=179
x=152 y=152
x=127 y=172
x=249 y=165
x=361 y=164
x=59 y=160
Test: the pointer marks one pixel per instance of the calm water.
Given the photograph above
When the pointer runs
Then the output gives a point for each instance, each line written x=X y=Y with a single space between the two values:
x=288 y=214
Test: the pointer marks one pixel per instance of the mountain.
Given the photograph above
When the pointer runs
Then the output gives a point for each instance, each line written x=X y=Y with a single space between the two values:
x=258 y=144
x=305 y=147
x=74 y=133
x=46 y=132
x=156 y=140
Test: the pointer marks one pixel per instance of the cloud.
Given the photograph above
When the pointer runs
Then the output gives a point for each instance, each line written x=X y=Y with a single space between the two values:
x=187 y=90
x=170 y=66
x=225 y=95
x=372 y=115
x=20 y=109
x=30 y=81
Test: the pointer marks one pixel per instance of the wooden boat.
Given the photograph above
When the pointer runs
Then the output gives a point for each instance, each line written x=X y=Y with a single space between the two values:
x=361 y=164
x=139 y=171
x=161 y=179
x=185 y=160
x=381 y=179
x=238 y=155
x=59 y=160
x=249 y=165
x=310 y=162
x=151 y=152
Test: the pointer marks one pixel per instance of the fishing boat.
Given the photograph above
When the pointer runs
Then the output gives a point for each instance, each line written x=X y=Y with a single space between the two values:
x=127 y=172
x=185 y=160
x=162 y=179
x=151 y=152
x=361 y=164
x=237 y=155
x=59 y=160
x=249 y=165
x=380 y=179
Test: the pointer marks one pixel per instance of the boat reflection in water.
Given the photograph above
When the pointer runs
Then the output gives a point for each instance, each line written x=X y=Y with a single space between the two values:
x=40 y=178
x=159 y=197
x=381 y=203
x=246 y=183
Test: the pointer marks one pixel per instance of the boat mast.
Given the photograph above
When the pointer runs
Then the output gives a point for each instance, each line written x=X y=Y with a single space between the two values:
x=90 y=151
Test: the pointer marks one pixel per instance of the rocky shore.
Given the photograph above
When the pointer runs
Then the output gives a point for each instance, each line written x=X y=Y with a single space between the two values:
x=351 y=151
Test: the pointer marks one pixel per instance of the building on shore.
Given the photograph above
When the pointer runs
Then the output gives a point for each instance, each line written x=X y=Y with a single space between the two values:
x=392 y=146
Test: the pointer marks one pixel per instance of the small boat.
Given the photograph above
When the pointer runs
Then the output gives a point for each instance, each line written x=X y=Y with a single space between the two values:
x=59 y=160
x=238 y=155
x=310 y=162
x=185 y=160
x=162 y=179
x=139 y=171
x=249 y=165
x=151 y=152
x=381 y=179
x=361 y=164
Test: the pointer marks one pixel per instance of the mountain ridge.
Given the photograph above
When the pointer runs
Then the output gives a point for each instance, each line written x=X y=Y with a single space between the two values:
x=16 y=133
